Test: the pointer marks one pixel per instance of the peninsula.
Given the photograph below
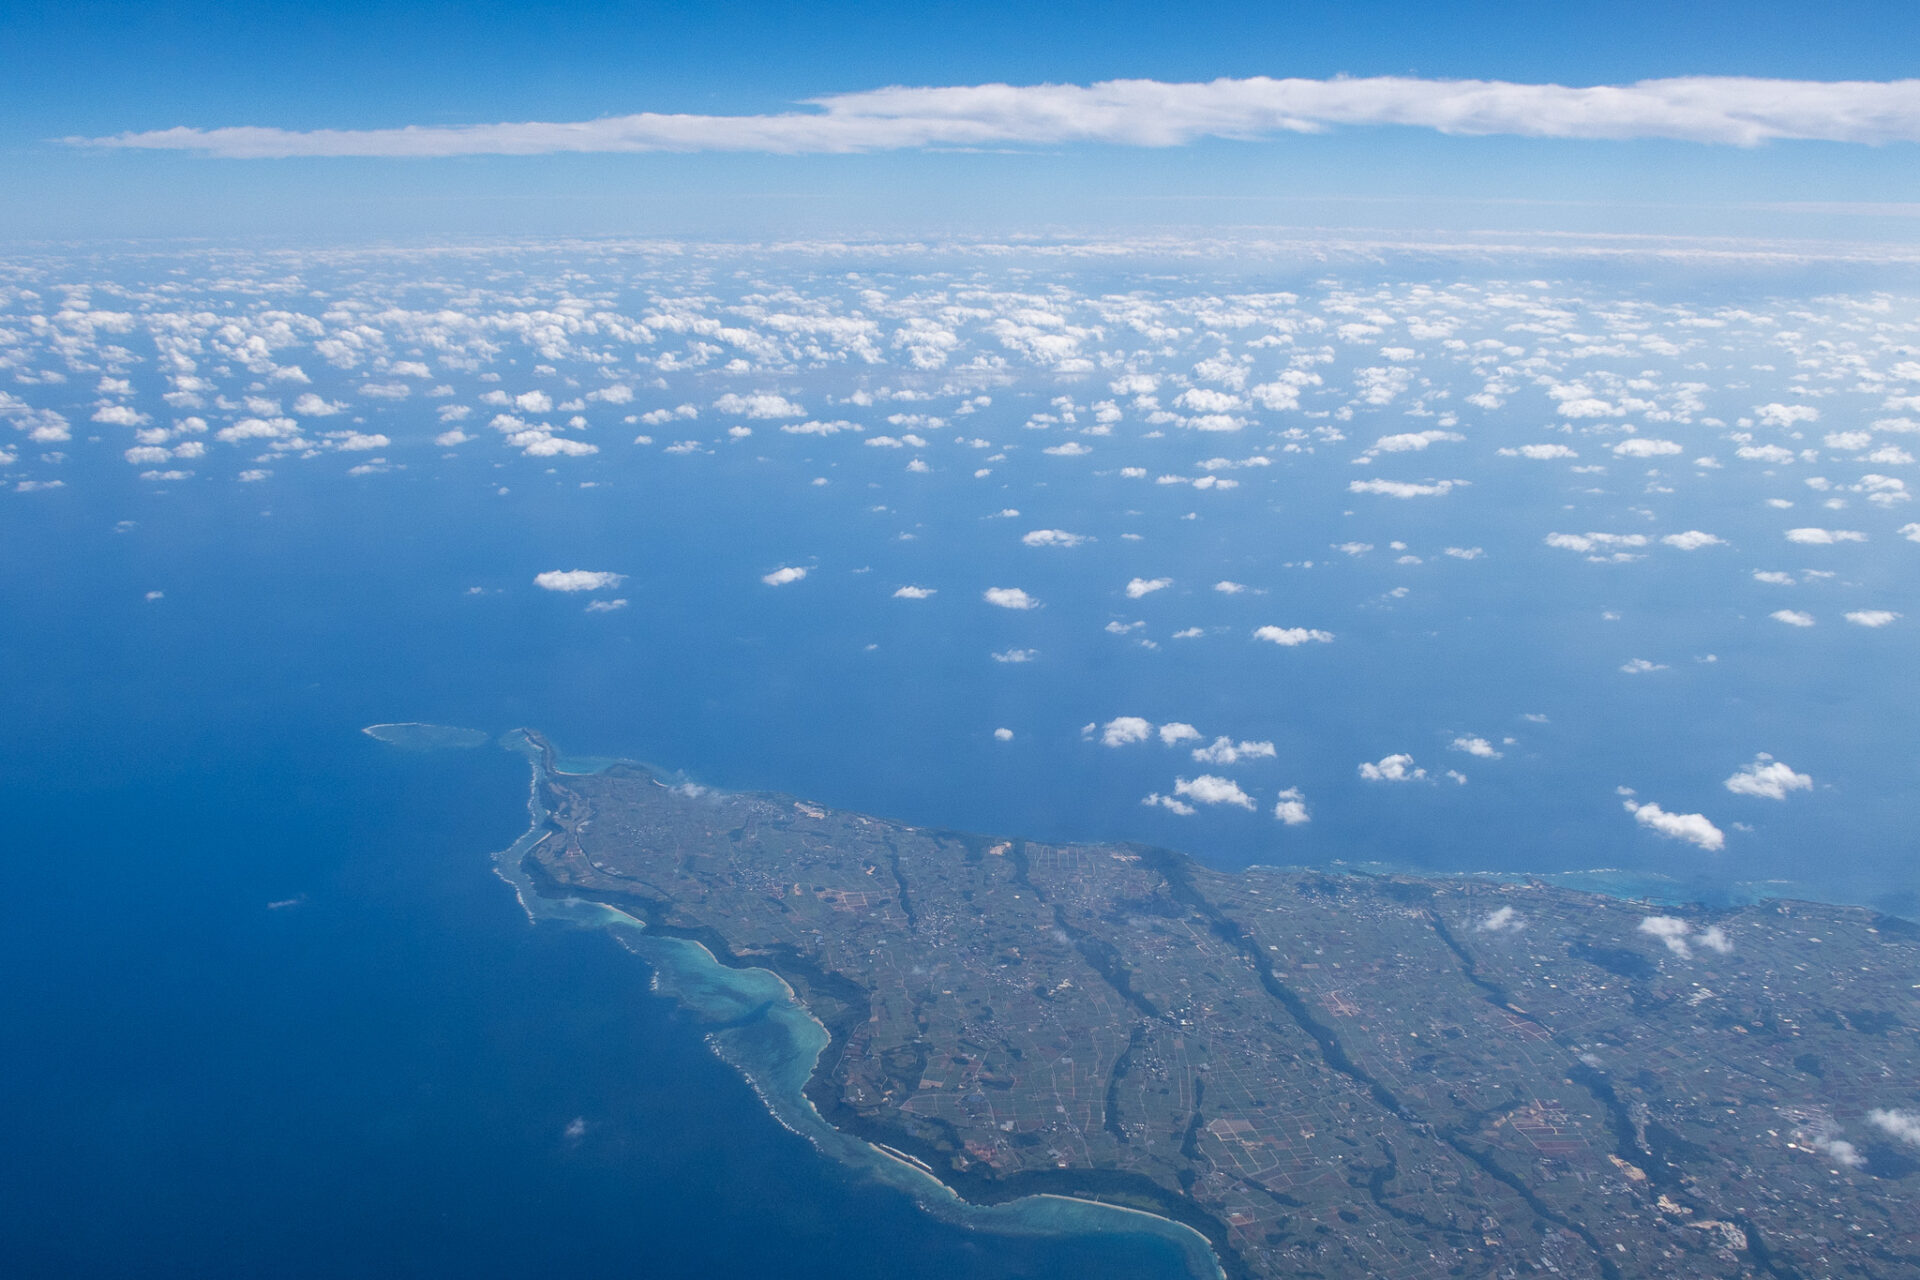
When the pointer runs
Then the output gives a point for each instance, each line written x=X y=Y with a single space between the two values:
x=1326 y=1075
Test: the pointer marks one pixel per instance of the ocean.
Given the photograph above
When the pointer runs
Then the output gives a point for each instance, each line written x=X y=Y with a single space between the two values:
x=269 y=1010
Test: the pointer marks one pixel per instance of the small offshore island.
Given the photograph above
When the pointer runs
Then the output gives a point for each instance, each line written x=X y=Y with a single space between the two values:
x=1323 y=1075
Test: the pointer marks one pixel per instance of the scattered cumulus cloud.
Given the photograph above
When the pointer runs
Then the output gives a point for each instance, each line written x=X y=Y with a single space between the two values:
x=1690 y=827
x=1692 y=540
x=1405 y=489
x=1824 y=537
x=1124 y=731
x=577 y=580
x=1501 y=920
x=1291 y=808
x=1209 y=789
x=1768 y=779
x=758 y=405
x=1227 y=751
x=1393 y=768
x=1009 y=598
x=1289 y=637
x=1646 y=447
x=1898 y=1124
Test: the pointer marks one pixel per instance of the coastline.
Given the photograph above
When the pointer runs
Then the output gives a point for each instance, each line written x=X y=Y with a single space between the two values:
x=770 y=1013
x=746 y=998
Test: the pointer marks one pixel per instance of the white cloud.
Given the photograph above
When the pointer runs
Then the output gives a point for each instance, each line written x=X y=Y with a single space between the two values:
x=1768 y=779
x=1291 y=808
x=310 y=405
x=1822 y=1137
x=1174 y=733
x=784 y=574
x=1641 y=666
x=1003 y=735
x=1903 y=1125
x=119 y=415
x=1735 y=110
x=914 y=593
x=1824 y=537
x=1146 y=586
x=1586 y=407
x=1052 y=538
x=1235 y=588
x=1122 y=731
x=1291 y=636
x=1227 y=751
x=1207 y=400
x=1412 y=441
x=538 y=444
x=1180 y=807
x=1477 y=747
x=1872 y=617
x=1209 y=789
x=1792 y=617
x=1672 y=931
x=1593 y=541
x=1501 y=920
x=1785 y=415
x=1539 y=452
x=1009 y=598
x=1911 y=532
x=1016 y=655
x=606 y=606
x=758 y=405
x=1691 y=827
x=1394 y=768
x=1692 y=540
x=258 y=429
x=1644 y=447
x=577 y=580
x=1404 y=489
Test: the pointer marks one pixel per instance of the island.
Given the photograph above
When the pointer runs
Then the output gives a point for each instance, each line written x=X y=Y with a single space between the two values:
x=1325 y=1075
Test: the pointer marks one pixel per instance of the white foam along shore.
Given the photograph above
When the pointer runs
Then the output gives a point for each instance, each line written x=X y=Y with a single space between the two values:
x=767 y=1033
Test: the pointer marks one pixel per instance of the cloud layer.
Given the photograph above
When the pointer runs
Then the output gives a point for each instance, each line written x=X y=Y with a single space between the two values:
x=1728 y=110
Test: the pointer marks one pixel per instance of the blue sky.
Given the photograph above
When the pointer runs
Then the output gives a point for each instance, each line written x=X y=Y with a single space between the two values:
x=96 y=70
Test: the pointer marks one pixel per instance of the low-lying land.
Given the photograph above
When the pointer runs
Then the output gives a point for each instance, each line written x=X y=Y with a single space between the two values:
x=1331 y=1076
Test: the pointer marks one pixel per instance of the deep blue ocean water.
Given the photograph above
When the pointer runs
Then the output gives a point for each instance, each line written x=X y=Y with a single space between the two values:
x=379 y=1076
x=376 y=1079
